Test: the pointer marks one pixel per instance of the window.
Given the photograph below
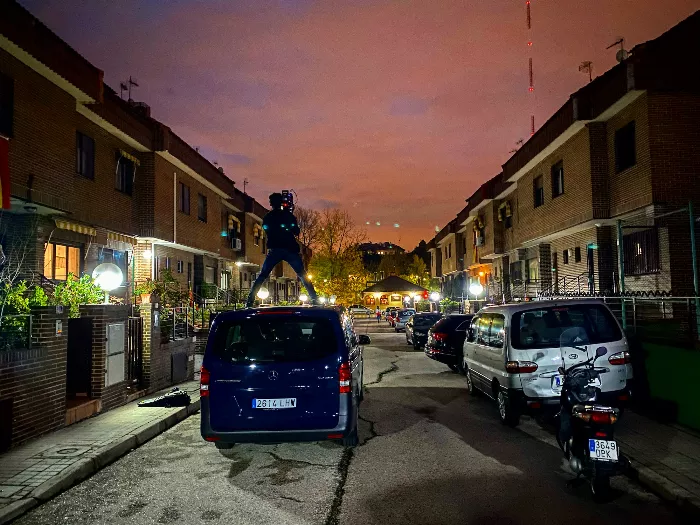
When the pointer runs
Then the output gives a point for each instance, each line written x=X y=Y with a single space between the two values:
x=7 y=104
x=641 y=252
x=165 y=263
x=61 y=260
x=538 y=191
x=542 y=327
x=557 y=179
x=577 y=254
x=625 y=147
x=84 y=156
x=516 y=271
x=256 y=237
x=125 y=175
x=180 y=266
x=495 y=339
x=183 y=198
x=533 y=270
x=274 y=339
x=508 y=222
x=202 y=207
x=565 y=256
x=482 y=330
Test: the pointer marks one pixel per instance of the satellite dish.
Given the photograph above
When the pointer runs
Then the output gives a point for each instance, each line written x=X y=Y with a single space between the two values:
x=621 y=55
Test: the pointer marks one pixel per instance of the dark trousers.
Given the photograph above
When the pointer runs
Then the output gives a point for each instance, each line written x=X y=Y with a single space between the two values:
x=274 y=257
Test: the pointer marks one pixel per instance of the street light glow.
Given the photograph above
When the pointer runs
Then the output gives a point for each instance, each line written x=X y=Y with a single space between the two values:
x=303 y=298
x=263 y=294
x=322 y=299
x=435 y=297
x=476 y=288
x=108 y=276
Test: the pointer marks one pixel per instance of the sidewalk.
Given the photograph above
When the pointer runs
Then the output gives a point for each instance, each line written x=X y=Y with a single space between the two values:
x=666 y=458
x=41 y=469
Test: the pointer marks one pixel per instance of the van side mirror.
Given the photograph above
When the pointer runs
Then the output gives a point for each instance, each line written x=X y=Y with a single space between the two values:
x=364 y=339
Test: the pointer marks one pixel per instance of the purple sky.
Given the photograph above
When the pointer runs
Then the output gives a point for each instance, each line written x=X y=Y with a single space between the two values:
x=396 y=110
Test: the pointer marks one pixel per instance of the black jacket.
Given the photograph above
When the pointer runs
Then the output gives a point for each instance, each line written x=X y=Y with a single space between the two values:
x=282 y=229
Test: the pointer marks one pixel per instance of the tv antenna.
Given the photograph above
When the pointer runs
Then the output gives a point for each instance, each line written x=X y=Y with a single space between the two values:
x=622 y=53
x=587 y=67
x=517 y=144
x=245 y=183
x=126 y=86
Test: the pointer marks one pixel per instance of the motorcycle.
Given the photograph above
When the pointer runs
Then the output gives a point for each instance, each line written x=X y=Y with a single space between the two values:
x=586 y=428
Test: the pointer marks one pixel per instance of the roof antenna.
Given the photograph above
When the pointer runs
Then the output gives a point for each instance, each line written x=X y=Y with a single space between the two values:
x=126 y=86
x=621 y=54
x=122 y=87
x=587 y=67
x=245 y=183
x=517 y=144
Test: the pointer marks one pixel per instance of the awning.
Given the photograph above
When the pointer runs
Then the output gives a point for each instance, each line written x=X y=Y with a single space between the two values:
x=121 y=238
x=75 y=227
x=130 y=157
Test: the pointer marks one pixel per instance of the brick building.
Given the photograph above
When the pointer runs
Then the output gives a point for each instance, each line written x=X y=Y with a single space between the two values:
x=619 y=155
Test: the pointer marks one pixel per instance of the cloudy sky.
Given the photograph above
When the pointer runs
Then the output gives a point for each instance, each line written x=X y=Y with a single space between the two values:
x=394 y=109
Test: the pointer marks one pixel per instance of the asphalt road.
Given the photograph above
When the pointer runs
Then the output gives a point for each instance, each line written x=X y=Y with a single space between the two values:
x=428 y=455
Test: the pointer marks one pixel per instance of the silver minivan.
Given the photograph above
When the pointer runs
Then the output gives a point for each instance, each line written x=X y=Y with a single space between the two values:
x=512 y=353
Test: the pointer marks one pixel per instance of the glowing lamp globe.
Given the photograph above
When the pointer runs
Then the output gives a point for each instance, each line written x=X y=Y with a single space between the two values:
x=434 y=296
x=333 y=299
x=303 y=298
x=323 y=300
x=108 y=276
x=263 y=294
x=476 y=288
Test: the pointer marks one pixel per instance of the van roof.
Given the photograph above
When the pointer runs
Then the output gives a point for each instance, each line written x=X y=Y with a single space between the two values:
x=304 y=311
x=530 y=305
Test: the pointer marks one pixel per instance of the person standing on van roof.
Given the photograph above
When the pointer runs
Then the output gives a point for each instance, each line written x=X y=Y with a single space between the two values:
x=282 y=229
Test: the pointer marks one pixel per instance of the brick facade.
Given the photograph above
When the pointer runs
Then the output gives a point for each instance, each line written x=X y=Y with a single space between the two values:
x=33 y=381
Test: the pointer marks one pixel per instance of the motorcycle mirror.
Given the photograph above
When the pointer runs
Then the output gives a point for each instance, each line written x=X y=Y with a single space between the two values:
x=561 y=370
x=601 y=351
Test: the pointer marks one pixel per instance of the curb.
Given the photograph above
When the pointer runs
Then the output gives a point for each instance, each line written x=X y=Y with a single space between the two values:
x=666 y=489
x=88 y=466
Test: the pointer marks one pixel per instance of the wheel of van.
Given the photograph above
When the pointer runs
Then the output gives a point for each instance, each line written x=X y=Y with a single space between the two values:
x=507 y=413
x=470 y=382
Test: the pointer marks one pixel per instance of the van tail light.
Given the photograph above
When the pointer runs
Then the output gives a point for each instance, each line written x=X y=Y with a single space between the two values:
x=203 y=382
x=439 y=336
x=345 y=376
x=620 y=358
x=520 y=367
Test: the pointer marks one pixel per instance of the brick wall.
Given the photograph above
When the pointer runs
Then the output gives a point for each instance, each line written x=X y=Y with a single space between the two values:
x=571 y=208
x=174 y=255
x=33 y=382
x=631 y=188
x=103 y=315
x=254 y=254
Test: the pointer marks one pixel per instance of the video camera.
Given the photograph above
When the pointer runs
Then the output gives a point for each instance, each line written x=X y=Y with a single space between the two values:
x=287 y=200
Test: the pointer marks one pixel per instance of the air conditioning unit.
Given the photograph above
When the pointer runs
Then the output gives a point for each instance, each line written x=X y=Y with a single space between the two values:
x=236 y=244
x=479 y=241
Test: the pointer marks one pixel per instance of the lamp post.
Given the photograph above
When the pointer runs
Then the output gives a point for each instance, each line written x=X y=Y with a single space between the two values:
x=435 y=297
x=263 y=294
x=303 y=298
x=108 y=276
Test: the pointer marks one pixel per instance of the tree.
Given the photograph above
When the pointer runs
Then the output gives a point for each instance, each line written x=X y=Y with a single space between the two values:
x=417 y=271
x=394 y=264
x=336 y=263
x=15 y=243
x=309 y=222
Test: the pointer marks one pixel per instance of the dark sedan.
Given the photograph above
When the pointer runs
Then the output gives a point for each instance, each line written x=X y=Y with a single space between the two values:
x=446 y=338
x=418 y=326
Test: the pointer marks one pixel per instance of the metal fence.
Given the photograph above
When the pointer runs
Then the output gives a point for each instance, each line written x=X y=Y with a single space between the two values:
x=134 y=369
x=664 y=319
x=176 y=323
x=15 y=332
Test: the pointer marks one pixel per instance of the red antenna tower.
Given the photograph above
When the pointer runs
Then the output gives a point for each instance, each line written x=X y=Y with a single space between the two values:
x=531 y=88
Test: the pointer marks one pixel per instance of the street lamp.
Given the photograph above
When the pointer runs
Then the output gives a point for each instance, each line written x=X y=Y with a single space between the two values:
x=108 y=276
x=435 y=297
x=263 y=294
x=322 y=300
x=333 y=298
x=303 y=298
x=309 y=276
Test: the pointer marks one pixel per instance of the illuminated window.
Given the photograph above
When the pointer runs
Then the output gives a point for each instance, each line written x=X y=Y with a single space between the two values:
x=61 y=260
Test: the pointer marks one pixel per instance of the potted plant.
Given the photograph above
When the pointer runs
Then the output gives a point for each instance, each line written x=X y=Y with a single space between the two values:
x=145 y=289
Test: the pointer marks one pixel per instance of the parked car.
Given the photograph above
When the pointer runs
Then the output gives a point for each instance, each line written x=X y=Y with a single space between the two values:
x=417 y=328
x=389 y=312
x=358 y=310
x=401 y=317
x=512 y=354
x=446 y=338
x=281 y=374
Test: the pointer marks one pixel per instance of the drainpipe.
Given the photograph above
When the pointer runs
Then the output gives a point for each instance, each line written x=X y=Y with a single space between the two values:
x=621 y=272
x=174 y=207
x=694 y=255
x=153 y=262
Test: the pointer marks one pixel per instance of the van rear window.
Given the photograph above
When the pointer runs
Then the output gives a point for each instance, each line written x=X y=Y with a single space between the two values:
x=270 y=339
x=542 y=327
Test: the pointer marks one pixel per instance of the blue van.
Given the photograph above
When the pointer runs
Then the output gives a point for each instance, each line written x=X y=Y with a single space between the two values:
x=281 y=374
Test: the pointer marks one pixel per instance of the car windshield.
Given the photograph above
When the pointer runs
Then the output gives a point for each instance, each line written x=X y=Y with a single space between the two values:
x=267 y=339
x=426 y=321
x=542 y=327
